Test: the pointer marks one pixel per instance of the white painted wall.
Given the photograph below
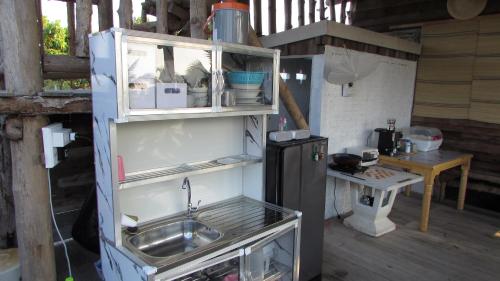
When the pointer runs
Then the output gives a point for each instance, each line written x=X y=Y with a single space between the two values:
x=149 y=145
x=347 y=121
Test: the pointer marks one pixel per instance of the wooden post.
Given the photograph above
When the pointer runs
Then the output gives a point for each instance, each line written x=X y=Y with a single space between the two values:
x=105 y=12
x=300 y=8
x=70 y=10
x=125 y=14
x=257 y=17
x=7 y=218
x=162 y=16
x=285 y=94
x=321 y=9
x=288 y=14
x=83 y=18
x=312 y=11
x=333 y=16
x=197 y=17
x=272 y=17
x=342 y=11
x=23 y=72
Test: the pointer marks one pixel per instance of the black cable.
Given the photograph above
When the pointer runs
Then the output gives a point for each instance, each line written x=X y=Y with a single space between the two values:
x=335 y=197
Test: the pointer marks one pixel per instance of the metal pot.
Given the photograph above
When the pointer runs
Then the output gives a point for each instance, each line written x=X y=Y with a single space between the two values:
x=345 y=160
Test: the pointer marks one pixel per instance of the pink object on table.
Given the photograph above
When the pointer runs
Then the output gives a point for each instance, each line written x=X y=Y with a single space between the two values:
x=231 y=277
x=121 y=169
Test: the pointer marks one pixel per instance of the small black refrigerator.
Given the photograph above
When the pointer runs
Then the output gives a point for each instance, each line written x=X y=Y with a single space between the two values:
x=296 y=179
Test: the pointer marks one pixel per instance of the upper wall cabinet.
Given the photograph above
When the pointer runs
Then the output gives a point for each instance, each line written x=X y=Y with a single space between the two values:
x=168 y=77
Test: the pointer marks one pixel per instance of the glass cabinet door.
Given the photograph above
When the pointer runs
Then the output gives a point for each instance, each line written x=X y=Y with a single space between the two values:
x=223 y=268
x=272 y=258
x=248 y=78
x=167 y=77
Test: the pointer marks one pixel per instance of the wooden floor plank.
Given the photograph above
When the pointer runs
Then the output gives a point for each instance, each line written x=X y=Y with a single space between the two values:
x=460 y=245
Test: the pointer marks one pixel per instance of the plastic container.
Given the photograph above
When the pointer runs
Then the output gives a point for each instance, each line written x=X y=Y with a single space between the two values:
x=426 y=138
x=231 y=21
x=245 y=78
x=9 y=265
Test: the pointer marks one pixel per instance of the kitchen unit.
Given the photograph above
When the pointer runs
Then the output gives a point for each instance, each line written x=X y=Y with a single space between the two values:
x=296 y=179
x=164 y=139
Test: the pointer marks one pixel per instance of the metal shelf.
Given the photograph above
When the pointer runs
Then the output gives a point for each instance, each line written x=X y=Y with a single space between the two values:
x=140 y=178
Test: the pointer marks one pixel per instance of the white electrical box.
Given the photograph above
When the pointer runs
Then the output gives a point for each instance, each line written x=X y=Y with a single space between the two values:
x=54 y=136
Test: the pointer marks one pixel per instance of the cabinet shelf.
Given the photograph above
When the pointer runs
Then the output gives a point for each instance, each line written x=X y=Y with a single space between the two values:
x=184 y=170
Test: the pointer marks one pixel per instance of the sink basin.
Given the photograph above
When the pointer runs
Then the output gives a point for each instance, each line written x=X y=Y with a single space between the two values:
x=174 y=238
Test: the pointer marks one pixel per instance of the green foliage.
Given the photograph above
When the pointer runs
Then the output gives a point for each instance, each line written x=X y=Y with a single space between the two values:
x=56 y=42
x=55 y=37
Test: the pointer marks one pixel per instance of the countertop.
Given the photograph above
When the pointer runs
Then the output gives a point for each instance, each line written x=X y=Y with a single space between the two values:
x=378 y=177
x=239 y=218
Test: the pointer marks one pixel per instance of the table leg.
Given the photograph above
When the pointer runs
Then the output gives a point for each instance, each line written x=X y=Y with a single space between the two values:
x=408 y=190
x=442 y=191
x=463 y=185
x=426 y=201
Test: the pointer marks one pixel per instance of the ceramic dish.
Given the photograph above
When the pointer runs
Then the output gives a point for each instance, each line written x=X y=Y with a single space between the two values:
x=246 y=93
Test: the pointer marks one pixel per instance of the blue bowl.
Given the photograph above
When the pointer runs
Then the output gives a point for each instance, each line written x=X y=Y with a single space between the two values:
x=245 y=77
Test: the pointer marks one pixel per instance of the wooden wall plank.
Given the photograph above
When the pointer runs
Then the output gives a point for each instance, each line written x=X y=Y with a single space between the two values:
x=487 y=68
x=485 y=112
x=486 y=90
x=438 y=111
x=463 y=44
x=488 y=45
x=454 y=94
x=451 y=27
x=445 y=69
x=489 y=24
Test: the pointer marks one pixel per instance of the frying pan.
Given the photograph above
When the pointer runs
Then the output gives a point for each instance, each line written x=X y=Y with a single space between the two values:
x=345 y=160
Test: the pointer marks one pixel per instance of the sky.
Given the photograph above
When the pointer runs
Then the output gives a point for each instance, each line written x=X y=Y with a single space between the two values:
x=56 y=10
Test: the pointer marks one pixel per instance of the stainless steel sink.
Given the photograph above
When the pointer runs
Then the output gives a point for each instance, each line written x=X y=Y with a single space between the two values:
x=173 y=238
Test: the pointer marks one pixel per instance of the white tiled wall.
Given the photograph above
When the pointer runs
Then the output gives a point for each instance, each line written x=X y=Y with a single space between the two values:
x=348 y=121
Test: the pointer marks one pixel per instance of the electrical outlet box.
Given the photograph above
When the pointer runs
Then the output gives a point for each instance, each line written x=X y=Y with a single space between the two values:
x=54 y=136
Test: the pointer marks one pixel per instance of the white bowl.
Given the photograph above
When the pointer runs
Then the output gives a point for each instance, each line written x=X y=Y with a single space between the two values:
x=198 y=94
x=198 y=90
x=247 y=93
x=246 y=86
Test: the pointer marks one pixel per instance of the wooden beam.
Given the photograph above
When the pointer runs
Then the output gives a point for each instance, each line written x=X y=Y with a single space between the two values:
x=125 y=14
x=19 y=21
x=198 y=16
x=31 y=201
x=70 y=11
x=105 y=12
x=272 y=17
x=21 y=52
x=285 y=94
x=257 y=17
x=300 y=8
x=342 y=11
x=322 y=9
x=162 y=16
x=83 y=27
x=312 y=11
x=65 y=67
x=333 y=16
x=29 y=105
x=7 y=218
x=288 y=14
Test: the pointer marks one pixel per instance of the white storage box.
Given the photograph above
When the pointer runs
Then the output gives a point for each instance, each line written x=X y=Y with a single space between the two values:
x=142 y=94
x=171 y=95
x=426 y=138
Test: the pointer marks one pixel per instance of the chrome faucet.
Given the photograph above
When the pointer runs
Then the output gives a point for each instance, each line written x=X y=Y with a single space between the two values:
x=190 y=209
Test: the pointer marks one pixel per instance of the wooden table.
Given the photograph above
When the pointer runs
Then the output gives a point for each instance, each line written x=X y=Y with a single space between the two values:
x=430 y=164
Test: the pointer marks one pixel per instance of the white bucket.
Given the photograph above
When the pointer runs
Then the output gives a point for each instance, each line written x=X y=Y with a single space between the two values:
x=9 y=265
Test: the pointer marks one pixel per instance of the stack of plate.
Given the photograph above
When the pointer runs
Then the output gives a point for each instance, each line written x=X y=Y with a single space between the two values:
x=246 y=96
x=246 y=86
x=197 y=97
